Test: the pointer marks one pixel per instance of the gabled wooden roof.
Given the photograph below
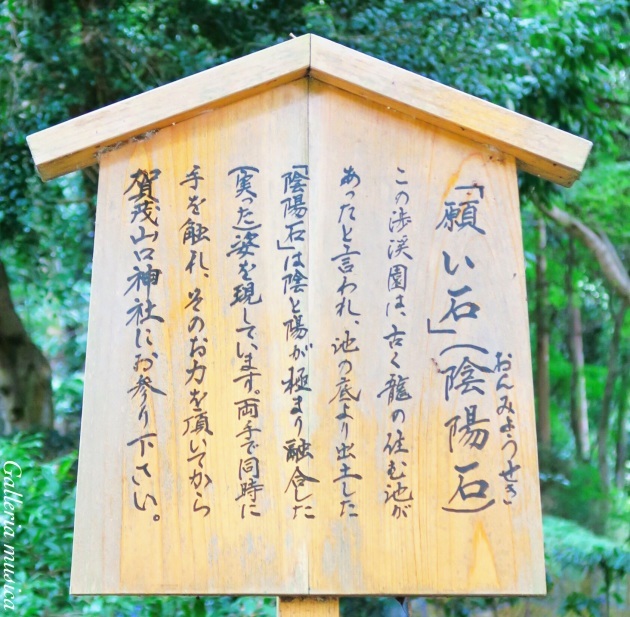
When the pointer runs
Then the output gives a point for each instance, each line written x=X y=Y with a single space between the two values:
x=540 y=149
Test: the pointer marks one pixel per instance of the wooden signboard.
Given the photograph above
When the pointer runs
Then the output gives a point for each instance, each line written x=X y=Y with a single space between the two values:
x=308 y=359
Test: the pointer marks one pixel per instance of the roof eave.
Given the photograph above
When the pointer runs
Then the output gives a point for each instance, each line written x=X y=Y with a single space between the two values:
x=540 y=149
x=76 y=143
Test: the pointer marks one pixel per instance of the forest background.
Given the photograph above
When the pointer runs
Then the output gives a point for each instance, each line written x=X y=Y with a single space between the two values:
x=564 y=62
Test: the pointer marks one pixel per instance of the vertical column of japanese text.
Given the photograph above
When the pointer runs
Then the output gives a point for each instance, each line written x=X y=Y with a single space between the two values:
x=293 y=247
x=143 y=320
x=346 y=396
x=196 y=423
x=395 y=391
x=245 y=299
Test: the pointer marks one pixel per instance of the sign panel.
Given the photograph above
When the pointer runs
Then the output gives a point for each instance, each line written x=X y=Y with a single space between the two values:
x=308 y=360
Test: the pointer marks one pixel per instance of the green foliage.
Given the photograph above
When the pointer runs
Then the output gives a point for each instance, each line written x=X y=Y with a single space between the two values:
x=366 y=607
x=463 y=607
x=568 y=544
x=602 y=195
x=571 y=546
x=579 y=498
x=563 y=62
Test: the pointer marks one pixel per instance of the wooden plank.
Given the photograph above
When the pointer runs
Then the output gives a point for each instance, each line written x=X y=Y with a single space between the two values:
x=183 y=550
x=415 y=547
x=308 y=607
x=97 y=569
x=540 y=149
x=76 y=143
x=311 y=489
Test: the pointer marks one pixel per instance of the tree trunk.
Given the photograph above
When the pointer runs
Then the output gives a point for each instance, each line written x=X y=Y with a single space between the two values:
x=622 y=434
x=600 y=246
x=579 y=404
x=614 y=362
x=25 y=388
x=542 y=341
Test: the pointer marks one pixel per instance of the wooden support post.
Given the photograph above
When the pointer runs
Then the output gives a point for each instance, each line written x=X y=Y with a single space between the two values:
x=304 y=606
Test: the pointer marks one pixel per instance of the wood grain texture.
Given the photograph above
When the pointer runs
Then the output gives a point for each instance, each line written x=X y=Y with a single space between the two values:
x=76 y=143
x=539 y=149
x=308 y=607
x=431 y=549
x=371 y=510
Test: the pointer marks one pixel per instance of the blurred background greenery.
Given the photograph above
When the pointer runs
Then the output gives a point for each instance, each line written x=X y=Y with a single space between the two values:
x=564 y=62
